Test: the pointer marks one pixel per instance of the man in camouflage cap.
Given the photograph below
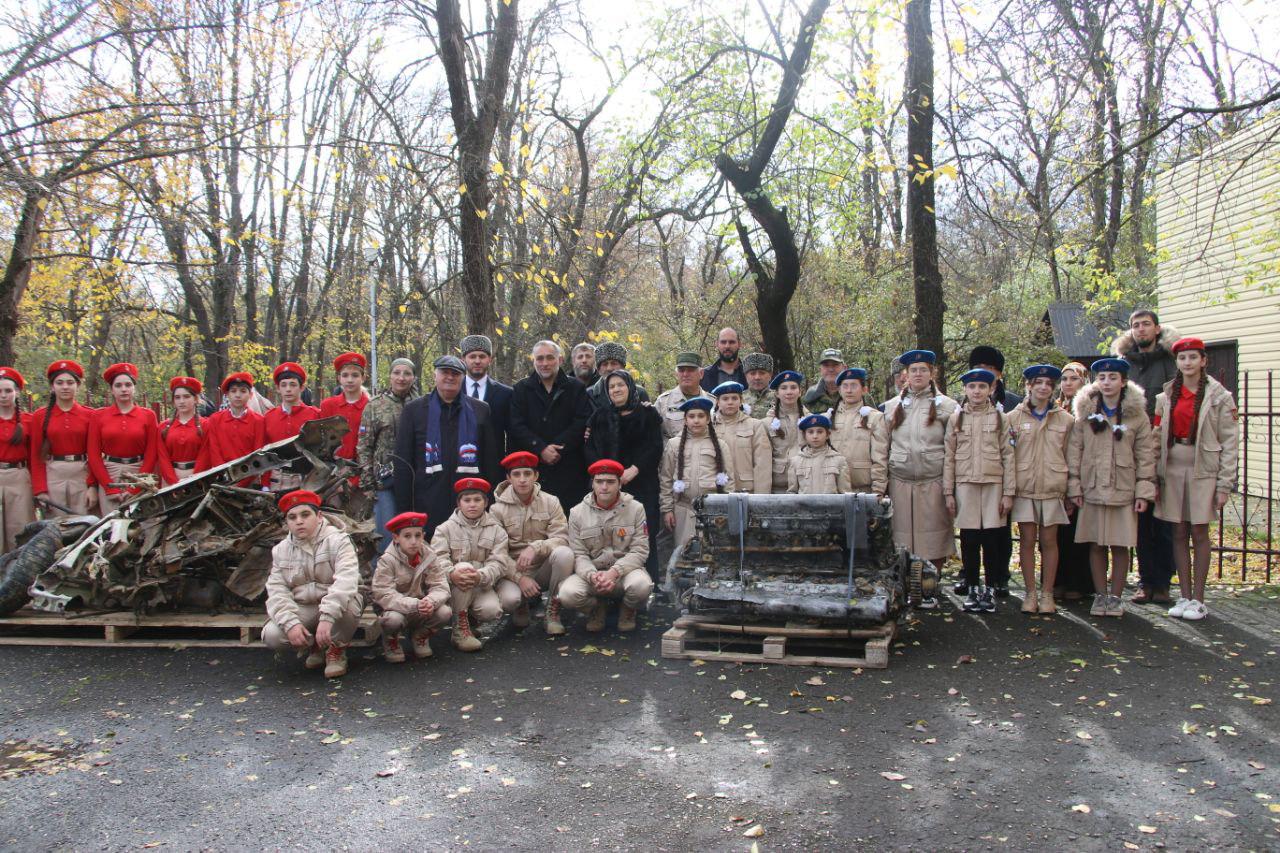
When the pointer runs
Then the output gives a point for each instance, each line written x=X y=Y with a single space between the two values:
x=757 y=399
x=688 y=379
x=610 y=357
x=824 y=393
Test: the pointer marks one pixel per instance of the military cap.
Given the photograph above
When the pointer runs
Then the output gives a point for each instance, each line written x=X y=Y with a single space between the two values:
x=917 y=356
x=831 y=354
x=786 y=376
x=1116 y=365
x=1036 y=371
x=810 y=421
x=688 y=359
x=978 y=375
x=852 y=373
x=727 y=388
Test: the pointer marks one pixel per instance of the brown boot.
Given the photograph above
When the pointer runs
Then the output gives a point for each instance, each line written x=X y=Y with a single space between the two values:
x=554 y=626
x=422 y=643
x=595 y=624
x=391 y=649
x=521 y=617
x=463 y=639
x=626 y=618
x=315 y=658
x=335 y=661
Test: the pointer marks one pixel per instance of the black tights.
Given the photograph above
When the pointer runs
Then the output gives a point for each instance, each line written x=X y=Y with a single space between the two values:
x=982 y=547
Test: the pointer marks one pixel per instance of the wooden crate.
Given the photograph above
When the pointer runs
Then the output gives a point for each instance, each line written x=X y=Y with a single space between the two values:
x=174 y=630
x=694 y=637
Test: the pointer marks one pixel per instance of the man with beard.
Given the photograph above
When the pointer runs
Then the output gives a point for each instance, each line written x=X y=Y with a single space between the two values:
x=727 y=368
x=757 y=398
x=549 y=412
x=477 y=355
x=584 y=363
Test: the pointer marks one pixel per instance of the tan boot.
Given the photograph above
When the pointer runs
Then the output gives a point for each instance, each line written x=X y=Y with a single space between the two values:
x=1047 y=604
x=335 y=661
x=521 y=617
x=422 y=643
x=626 y=618
x=554 y=626
x=391 y=649
x=315 y=658
x=463 y=639
x=595 y=624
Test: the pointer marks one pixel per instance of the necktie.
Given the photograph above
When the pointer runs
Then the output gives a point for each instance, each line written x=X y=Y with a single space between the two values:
x=475 y=390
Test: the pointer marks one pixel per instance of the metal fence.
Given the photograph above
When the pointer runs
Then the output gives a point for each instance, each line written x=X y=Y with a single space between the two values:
x=1246 y=537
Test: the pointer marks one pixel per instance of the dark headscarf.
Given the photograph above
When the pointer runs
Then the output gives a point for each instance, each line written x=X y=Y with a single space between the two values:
x=613 y=414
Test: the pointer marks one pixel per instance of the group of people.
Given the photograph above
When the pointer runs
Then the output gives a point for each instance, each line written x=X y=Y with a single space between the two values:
x=596 y=485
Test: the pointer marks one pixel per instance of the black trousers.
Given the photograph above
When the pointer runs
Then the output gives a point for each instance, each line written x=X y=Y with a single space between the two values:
x=982 y=548
x=1155 y=550
x=1001 y=577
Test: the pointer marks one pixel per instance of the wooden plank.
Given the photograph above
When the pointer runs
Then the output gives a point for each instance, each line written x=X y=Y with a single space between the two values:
x=702 y=623
x=692 y=638
x=116 y=633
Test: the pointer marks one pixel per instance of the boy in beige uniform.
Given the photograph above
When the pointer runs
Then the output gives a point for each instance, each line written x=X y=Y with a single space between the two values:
x=471 y=546
x=313 y=590
x=410 y=588
x=610 y=541
x=537 y=537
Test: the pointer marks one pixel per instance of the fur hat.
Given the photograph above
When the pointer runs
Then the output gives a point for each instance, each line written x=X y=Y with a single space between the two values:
x=610 y=351
x=471 y=343
x=758 y=361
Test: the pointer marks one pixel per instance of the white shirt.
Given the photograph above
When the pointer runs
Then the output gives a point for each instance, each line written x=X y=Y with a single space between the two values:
x=470 y=387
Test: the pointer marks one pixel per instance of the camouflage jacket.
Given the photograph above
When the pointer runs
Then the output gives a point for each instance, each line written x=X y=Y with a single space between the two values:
x=377 y=439
x=759 y=401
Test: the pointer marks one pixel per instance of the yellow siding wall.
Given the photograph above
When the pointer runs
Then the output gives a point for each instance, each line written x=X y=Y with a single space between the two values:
x=1218 y=227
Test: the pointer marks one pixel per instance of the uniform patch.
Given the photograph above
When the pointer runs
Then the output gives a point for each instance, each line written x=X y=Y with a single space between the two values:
x=622 y=533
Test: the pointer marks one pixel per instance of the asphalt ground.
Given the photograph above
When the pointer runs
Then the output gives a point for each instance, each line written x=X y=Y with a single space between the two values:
x=985 y=732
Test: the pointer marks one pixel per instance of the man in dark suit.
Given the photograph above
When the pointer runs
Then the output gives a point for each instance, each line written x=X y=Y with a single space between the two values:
x=441 y=437
x=477 y=355
x=549 y=413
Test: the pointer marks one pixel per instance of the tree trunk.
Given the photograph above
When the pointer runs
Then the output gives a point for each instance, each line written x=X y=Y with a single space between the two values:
x=18 y=271
x=929 y=303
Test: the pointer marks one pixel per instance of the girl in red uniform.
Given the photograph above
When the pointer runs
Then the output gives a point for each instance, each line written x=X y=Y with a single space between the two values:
x=123 y=438
x=17 y=509
x=286 y=419
x=236 y=430
x=351 y=402
x=183 y=434
x=60 y=445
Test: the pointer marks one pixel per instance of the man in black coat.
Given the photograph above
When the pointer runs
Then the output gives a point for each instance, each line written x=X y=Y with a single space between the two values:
x=477 y=355
x=429 y=458
x=549 y=412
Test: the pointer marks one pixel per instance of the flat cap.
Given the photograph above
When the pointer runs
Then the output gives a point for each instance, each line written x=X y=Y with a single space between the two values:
x=450 y=362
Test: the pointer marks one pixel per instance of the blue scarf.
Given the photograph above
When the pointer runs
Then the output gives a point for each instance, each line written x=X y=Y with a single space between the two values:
x=468 y=450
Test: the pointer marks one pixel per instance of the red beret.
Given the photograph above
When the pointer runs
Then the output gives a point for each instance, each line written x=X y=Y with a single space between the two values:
x=347 y=358
x=1188 y=343
x=189 y=382
x=288 y=367
x=407 y=519
x=64 y=365
x=606 y=466
x=124 y=368
x=471 y=484
x=246 y=378
x=520 y=459
x=298 y=497
x=11 y=373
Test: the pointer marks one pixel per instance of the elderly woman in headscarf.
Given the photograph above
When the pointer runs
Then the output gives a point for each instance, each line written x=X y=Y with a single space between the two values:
x=630 y=432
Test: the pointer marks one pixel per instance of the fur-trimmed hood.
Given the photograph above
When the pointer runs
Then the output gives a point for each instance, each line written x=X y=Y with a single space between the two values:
x=1125 y=344
x=1134 y=405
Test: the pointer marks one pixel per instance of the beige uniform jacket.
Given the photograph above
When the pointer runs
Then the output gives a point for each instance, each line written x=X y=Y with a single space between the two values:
x=748 y=443
x=539 y=524
x=613 y=538
x=1217 y=435
x=699 y=471
x=784 y=438
x=917 y=448
x=482 y=543
x=978 y=450
x=818 y=472
x=398 y=586
x=1040 y=451
x=1103 y=470
x=865 y=447
x=322 y=571
x=668 y=406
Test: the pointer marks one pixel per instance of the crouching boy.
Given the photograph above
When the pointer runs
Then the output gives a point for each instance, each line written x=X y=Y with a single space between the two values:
x=313 y=591
x=471 y=548
x=537 y=537
x=610 y=542
x=410 y=588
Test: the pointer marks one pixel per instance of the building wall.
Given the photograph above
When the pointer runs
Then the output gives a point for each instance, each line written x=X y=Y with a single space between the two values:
x=1218 y=244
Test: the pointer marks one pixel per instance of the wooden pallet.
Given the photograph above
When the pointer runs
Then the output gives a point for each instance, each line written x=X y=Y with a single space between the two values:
x=156 y=631
x=694 y=637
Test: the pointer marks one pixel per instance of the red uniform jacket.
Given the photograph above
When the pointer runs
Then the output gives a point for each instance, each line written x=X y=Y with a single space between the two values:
x=181 y=443
x=68 y=435
x=124 y=435
x=227 y=438
x=20 y=452
x=338 y=405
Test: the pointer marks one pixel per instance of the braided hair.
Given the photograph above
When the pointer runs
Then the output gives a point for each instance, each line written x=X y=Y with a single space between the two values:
x=775 y=411
x=1175 y=394
x=44 y=426
x=715 y=444
x=899 y=413
x=1098 y=424
x=164 y=433
x=19 y=435
x=835 y=410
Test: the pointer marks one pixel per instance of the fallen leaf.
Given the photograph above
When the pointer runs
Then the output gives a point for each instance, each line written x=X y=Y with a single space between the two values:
x=585 y=785
x=1082 y=808
x=333 y=738
x=1084 y=736
x=892 y=777
x=965 y=659
x=738 y=694
x=1257 y=765
x=388 y=771
x=1149 y=830
x=756 y=831
x=1223 y=813
x=507 y=782
x=816 y=681
x=465 y=708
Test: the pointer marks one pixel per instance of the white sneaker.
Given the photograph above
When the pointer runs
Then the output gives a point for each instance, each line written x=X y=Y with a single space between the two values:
x=1195 y=611
x=1179 y=607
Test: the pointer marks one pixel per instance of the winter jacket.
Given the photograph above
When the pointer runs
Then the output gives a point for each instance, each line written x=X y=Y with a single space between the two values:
x=323 y=570
x=1103 y=470
x=978 y=450
x=399 y=586
x=748 y=443
x=1152 y=369
x=613 y=538
x=818 y=472
x=482 y=543
x=865 y=447
x=539 y=524
x=1217 y=435
x=917 y=447
x=1040 y=451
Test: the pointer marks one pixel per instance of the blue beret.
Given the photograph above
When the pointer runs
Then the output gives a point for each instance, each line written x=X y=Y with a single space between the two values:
x=786 y=376
x=917 y=356
x=702 y=403
x=815 y=421
x=978 y=375
x=1118 y=365
x=727 y=388
x=1035 y=371
x=851 y=373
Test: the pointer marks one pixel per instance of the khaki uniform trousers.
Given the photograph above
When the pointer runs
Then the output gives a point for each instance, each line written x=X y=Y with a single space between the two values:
x=393 y=621
x=344 y=628
x=486 y=605
x=17 y=506
x=554 y=568
x=633 y=591
x=107 y=502
x=67 y=487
